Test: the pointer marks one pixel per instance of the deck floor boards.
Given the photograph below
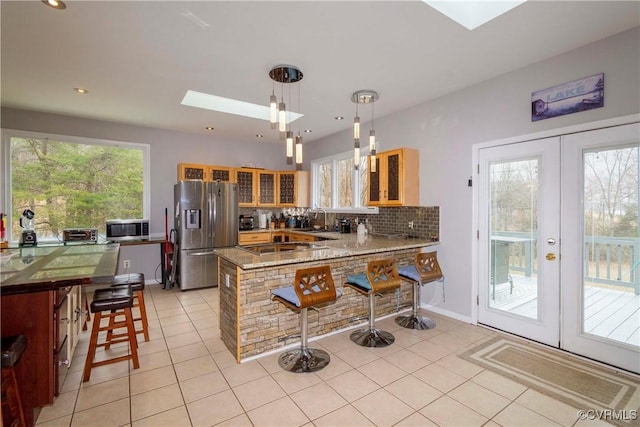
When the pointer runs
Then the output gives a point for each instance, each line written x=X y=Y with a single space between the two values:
x=609 y=312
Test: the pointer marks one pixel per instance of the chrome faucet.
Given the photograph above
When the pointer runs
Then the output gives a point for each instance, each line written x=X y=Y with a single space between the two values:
x=324 y=222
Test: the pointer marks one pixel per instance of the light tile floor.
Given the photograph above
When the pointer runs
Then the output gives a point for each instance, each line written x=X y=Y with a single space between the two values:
x=187 y=377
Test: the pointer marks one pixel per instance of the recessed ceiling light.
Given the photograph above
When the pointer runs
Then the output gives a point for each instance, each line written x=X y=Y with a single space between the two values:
x=472 y=14
x=56 y=4
x=209 y=128
x=231 y=106
x=339 y=118
x=80 y=90
x=307 y=131
x=259 y=135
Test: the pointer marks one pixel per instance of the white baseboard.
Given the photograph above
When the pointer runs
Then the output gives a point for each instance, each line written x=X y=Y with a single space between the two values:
x=453 y=315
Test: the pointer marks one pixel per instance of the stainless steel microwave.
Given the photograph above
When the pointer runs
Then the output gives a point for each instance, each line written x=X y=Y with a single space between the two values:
x=120 y=230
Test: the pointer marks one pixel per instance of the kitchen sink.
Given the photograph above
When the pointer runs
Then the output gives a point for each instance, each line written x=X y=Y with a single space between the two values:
x=269 y=248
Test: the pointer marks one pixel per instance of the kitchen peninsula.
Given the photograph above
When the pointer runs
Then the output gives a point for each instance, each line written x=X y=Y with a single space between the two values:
x=41 y=290
x=251 y=323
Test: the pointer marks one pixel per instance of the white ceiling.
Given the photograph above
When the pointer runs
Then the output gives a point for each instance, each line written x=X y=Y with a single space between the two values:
x=138 y=59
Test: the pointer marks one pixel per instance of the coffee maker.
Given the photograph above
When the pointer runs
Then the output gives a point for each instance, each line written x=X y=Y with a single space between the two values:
x=28 y=236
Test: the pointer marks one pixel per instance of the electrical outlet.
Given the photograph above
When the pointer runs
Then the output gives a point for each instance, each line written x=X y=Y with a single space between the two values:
x=226 y=280
x=126 y=264
x=411 y=225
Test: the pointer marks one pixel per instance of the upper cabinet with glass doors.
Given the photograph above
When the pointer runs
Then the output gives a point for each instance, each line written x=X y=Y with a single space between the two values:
x=293 y=188
x=205 y=172
x=256 y=187
x=396 y=181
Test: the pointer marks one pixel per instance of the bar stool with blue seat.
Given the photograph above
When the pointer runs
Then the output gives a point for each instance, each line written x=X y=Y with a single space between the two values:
x=381 y=276
x=136 y=281
x=312 y=288
x=115 y=301
x=425 y=270
x=12 y=411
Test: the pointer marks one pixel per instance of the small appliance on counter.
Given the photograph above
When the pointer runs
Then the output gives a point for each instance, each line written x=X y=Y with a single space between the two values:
x=28 y=236
x=122 y=230
x=245 y=223
x=345 y=225
x=89 y=235
x=262 y=220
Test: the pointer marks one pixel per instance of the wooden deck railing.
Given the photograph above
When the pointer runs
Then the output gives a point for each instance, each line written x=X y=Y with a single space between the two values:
x=607 y=260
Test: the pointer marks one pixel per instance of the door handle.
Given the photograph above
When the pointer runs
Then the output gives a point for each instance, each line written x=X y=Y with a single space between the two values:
x=550 y=256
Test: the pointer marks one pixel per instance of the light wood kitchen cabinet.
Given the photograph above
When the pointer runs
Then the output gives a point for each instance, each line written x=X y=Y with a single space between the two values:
x=293 y=188
x=220 y=173
x=191 y=171
x=396 y=181
x=205 y=172
x=256 y=237
x=256 y=187
x=299 y=237
x=267 y=188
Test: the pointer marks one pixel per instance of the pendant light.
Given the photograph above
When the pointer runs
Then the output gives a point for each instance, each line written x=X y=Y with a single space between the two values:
x=283 y=74
x=365 y=96
x=299 y=151
x=273 y=109
x=299 y=136
x=372 y=143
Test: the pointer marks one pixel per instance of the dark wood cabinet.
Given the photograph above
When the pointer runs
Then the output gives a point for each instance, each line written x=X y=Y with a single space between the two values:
x=33 y=316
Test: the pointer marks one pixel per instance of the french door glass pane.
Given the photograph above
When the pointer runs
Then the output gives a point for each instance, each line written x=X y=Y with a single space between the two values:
x=514 y=194
x=611 y=247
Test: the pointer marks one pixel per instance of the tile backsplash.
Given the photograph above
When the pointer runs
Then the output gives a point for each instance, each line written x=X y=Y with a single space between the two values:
x=389 y=220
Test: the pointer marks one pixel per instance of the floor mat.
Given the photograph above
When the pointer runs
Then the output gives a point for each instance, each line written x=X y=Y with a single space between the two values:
x=584 y=385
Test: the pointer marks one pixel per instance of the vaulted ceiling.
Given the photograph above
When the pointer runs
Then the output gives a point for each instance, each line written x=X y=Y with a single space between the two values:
x=137 y=59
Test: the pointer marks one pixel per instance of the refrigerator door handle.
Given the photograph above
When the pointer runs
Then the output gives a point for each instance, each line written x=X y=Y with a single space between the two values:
x=211 y=207
x=200 y=253
x=213 y=217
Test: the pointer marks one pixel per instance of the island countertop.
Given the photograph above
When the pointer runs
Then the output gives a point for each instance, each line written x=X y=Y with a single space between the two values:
x=337 y=245
x=48 y=267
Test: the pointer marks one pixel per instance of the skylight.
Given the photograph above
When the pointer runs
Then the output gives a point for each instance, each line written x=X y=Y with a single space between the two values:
x=472 y=14
x=231 y=106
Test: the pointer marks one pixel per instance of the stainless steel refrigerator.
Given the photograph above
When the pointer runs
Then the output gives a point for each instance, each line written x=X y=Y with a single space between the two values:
x=206 y=217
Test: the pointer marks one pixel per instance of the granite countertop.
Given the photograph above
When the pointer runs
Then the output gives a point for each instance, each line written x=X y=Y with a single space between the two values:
x=337 y=245
x=47 y=267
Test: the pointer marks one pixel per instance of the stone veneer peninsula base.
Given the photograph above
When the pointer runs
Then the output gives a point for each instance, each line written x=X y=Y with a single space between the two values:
x=251 y=323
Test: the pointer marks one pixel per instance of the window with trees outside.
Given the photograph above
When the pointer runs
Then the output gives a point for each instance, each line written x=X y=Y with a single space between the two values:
x=72 y=183
x=337 y=185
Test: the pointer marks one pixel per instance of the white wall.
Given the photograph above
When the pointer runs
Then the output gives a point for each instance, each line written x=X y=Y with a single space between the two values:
x=444 y=131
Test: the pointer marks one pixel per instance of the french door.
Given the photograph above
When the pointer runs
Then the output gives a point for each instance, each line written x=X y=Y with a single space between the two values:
x=559 y=242
x=519 y=221
x=601 y=269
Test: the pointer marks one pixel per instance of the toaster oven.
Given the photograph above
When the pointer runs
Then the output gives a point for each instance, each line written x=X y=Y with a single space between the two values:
x=80 y=235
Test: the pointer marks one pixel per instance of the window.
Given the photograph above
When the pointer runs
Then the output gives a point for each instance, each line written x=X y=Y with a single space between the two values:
x=71 y=182
x=337 y=185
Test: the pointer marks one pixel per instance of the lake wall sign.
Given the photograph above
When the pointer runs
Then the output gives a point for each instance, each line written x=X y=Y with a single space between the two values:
x=579 y=95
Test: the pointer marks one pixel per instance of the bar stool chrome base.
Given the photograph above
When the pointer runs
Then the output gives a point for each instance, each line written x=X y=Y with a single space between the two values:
x=372 y=338
x=301 y=360
x=415 y=322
